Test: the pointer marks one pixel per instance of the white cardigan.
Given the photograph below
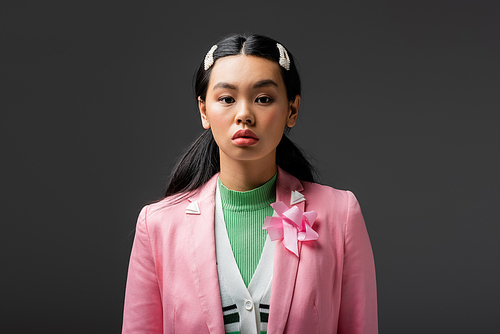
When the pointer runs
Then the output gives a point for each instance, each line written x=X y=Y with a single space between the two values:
x=232 y=288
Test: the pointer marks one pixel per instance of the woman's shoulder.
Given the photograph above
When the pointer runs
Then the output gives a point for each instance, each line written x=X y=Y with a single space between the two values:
x=339 y=209
x=166 y=209
x=317 y=191
x=175 y=207
x=330 y=201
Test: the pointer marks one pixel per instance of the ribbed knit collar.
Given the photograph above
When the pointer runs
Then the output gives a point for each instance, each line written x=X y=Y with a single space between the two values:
x=251 y=200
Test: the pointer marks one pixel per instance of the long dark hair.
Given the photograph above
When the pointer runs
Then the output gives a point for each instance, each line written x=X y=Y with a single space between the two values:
x=201 y=160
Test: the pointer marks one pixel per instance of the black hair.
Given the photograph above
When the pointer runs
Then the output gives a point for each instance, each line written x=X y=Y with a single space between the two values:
x=201 y=160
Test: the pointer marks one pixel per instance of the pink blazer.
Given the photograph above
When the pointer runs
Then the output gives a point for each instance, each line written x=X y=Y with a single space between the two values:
x=172 y=284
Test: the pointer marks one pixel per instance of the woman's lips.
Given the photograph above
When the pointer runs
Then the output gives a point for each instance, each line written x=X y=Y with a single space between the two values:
x=244 y=138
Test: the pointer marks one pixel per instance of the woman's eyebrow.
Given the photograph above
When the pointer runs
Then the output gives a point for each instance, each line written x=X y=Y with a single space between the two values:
x=225 y=85
x=259 y=84
x=264 y=83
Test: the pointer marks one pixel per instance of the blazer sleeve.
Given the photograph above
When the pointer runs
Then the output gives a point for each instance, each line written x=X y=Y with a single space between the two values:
x=358 y=305
x=143 y=308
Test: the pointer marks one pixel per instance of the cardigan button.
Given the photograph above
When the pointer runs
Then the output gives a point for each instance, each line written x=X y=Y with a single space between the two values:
x=248 y=305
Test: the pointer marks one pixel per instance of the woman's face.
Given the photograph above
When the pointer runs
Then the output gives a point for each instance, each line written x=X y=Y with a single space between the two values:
x=247 y=108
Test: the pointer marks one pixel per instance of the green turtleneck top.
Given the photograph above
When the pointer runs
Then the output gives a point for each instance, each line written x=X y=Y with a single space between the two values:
x=244 y=214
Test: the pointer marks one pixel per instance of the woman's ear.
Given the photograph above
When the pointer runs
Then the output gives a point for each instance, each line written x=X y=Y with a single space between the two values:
x=293 y=111
x=203 y=113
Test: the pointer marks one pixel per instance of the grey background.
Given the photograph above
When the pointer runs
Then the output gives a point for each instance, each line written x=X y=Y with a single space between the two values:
x=400 y=106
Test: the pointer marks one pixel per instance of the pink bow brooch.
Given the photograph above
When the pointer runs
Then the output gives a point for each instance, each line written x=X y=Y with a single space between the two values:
x=292 y=225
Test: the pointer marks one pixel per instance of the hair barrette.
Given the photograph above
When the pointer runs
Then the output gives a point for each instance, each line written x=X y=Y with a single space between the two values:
x=284 y=59
x=209 y=58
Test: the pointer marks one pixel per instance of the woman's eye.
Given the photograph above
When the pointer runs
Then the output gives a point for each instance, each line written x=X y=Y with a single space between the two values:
x=263 y=99
x=226 y=99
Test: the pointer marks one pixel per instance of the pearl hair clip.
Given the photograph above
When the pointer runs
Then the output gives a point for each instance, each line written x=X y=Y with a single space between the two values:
x=284 y=60
x=209 y=58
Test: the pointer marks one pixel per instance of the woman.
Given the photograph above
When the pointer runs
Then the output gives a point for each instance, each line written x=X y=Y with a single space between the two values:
x=209 y=258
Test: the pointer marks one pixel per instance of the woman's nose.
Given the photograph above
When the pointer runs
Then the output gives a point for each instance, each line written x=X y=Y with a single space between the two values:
x=245 y=114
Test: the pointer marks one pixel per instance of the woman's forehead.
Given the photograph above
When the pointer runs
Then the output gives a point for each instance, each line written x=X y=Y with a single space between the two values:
x=243 y=69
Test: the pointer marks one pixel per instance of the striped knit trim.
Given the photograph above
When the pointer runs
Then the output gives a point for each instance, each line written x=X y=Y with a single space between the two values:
x=255 y=199
x=231 y=319
x=264 y=314
x=230 y=314
x=264 y=317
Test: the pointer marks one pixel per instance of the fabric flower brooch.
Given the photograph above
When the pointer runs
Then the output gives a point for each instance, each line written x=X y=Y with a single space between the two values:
x=292 y=225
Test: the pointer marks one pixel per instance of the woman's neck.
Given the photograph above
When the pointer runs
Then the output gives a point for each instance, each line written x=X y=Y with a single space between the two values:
x=246 y=175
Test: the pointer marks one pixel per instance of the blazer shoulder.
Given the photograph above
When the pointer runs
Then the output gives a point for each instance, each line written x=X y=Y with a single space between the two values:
x=328 y=199
x=316 y=191
x=164 y=213
x=171 y=207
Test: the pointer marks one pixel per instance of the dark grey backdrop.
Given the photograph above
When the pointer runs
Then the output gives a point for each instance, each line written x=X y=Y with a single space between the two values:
x=400 y=106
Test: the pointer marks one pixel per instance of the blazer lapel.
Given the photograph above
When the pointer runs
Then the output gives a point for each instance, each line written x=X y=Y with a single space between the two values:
x=201 y=244
x=285 y=262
